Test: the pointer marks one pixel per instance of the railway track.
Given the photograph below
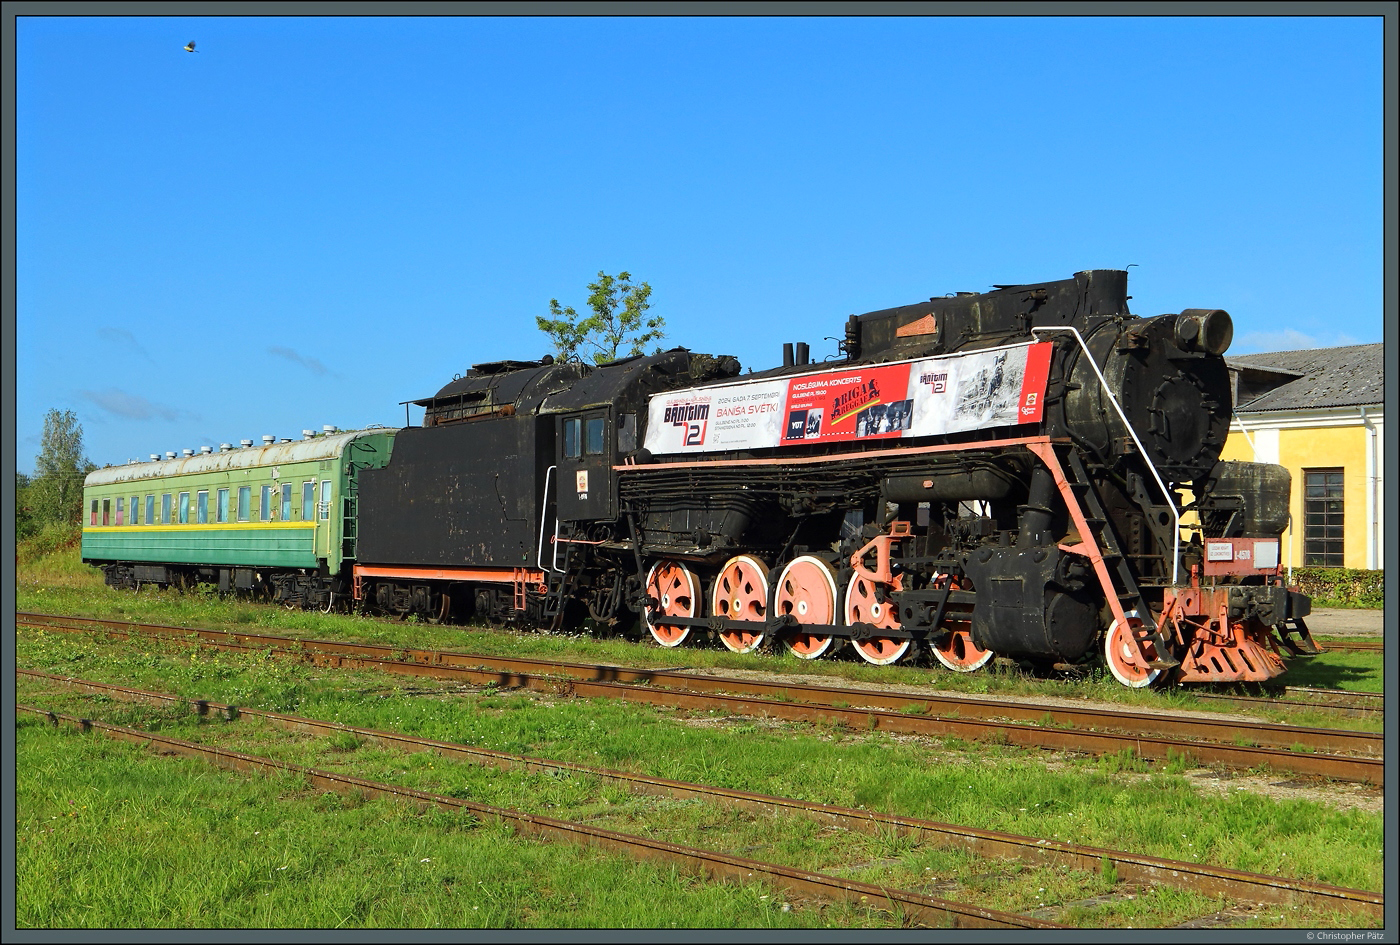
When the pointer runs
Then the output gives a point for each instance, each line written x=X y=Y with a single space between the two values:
x=719 y=866
x=1130 y=868
x=1360 y=704
x=1356 y=645
x=1337 y=754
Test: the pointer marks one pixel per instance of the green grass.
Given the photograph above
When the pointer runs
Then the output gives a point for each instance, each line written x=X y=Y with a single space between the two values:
x=370 y=852
x=1116 y=801
x=133 y=841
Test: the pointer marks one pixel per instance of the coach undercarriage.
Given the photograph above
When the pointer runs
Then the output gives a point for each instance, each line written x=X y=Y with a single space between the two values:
x=294 y=588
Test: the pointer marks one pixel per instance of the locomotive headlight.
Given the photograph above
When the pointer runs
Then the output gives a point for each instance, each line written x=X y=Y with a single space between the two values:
x=1204 y=329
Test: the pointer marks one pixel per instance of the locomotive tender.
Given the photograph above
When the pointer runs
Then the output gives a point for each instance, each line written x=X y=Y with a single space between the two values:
x=1031 y=472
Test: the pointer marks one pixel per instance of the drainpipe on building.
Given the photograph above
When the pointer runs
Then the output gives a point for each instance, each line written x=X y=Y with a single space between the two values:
x=1372 y=501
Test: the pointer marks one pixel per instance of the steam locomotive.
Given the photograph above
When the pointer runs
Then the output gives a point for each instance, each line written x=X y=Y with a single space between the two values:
x=1031 y=472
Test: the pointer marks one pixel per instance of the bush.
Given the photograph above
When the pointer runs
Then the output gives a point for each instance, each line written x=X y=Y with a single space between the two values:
x=50 y=538
x=1342 y=587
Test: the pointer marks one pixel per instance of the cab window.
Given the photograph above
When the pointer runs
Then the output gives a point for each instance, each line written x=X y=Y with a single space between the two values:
x=571 y=438
x=596 y=428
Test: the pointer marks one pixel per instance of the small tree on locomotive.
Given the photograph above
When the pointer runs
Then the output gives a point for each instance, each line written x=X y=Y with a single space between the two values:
x=618 y=319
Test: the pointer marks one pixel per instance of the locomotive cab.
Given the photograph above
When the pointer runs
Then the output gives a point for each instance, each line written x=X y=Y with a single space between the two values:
x=586 y=449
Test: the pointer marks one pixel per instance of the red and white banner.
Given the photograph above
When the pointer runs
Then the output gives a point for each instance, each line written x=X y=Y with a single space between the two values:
x=949 y=394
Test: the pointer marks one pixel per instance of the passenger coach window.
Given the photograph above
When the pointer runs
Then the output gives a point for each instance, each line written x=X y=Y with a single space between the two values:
x=596 y=426
x=244 y=494
x=326 y=499
x=120 y=508
x=92 y=519
x=266 y=508
x=308 y=501
x=221 y=509
x=202 y=507
x=165 y=509
x=571 y=444
x=184 y=509
x=286 y=501
x=150 y=510
x=135 y=510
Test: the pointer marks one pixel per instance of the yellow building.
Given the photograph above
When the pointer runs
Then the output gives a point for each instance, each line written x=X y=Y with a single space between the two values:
x=1321 y=414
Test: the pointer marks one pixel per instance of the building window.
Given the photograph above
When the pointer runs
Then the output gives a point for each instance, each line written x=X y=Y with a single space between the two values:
x=221 y=508
x=244 y=494
x=1323 y=544
x=308 y=501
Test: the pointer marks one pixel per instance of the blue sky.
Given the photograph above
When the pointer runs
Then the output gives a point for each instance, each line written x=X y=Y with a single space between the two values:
x=311 y=220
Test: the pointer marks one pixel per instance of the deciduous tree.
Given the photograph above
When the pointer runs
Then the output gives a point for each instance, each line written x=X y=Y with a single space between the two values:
x=617 y=327
x=56 y=492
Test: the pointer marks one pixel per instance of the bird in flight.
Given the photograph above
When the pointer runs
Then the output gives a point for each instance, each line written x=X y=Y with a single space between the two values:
x=189 y=47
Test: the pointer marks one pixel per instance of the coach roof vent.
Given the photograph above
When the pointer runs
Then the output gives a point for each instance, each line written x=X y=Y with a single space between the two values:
x=245 y=442
x=328 y=428
x=155 y=457
x=269 y=439
x=205 y=450
x=307 y=434
x=186 y=452
x=169 y=454
x=225 y=447
x=285 y=439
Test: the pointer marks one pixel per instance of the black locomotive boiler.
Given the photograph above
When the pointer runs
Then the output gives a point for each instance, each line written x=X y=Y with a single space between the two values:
x=1032 y=472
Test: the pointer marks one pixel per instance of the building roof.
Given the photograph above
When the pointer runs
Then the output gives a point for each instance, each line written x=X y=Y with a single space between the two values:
x=1312 y=379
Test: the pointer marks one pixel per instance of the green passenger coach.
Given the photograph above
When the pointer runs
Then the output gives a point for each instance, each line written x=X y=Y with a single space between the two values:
x=278 y=520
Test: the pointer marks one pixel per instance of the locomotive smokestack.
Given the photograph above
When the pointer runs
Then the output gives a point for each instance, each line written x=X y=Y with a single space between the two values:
x=804 y=353
x=787 y=354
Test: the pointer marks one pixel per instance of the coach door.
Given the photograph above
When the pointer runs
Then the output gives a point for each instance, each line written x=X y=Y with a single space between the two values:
x=585 y=448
